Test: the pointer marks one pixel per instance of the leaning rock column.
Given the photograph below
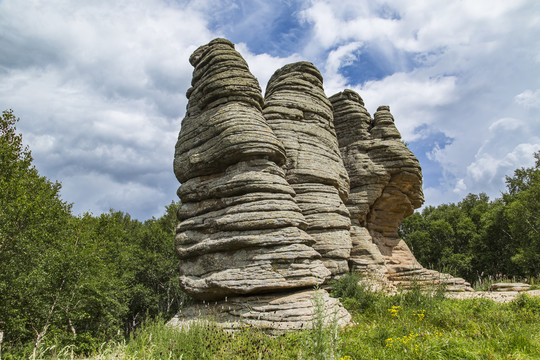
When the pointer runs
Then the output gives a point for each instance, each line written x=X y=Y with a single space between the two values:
x=300 y=115
x=386 y=187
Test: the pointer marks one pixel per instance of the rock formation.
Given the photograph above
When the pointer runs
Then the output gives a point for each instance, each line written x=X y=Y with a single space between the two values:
x=241 y=231
x=386 y=187
x=300 y=115
x=273 y=313
x=280 y=194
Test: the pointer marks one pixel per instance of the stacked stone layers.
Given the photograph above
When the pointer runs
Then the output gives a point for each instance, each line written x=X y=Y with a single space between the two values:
x=386 y=187
x=272 y=313
x=300 y=115
x=241 y=230
x=353 y=124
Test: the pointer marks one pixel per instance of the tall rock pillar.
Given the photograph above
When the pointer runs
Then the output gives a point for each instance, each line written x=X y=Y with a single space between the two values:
x=300 y=115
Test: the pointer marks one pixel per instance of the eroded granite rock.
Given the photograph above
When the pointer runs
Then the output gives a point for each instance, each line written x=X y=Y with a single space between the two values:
x=272 y=313
x=241 y=230
x=280 y=194
x=386 y=186
x=300 y=114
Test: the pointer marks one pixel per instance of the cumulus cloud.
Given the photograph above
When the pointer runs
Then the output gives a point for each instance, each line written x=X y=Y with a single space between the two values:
x=529 y=98
x=100 y=89
x=263 y=66
x=100 y=85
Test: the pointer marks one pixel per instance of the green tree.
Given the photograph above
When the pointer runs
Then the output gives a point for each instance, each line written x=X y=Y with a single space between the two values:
x=523 y=212
x=74 y=280
x=34 y=225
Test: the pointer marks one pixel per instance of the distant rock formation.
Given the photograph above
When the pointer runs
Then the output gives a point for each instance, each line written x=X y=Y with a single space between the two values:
x=280 y=194
x=386 y=187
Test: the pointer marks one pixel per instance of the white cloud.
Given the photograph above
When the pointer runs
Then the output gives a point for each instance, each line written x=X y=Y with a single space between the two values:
x=460 y=188
x=529 y=98
x=263 y=66
x=100 y=90
x=100 y=85
x=336 y=59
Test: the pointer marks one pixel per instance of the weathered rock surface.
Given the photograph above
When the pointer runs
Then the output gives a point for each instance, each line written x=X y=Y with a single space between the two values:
x=279 y=195
x=300 y=115
x=498 y=296
x=509 y=287
x=386 y=186
x=273 y=313
x=241 y=230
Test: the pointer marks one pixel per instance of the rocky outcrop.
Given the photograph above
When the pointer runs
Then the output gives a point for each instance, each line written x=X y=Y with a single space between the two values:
x=241 y=230
x=241 y=239
x=386 y=186
x=280 y=194
x=273 y=313
x=300 y=115
x=504 y=287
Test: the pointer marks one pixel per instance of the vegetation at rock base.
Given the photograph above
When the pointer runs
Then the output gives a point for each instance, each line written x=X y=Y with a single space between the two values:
x=478 y=238
x=102 y=286
x=412 y=325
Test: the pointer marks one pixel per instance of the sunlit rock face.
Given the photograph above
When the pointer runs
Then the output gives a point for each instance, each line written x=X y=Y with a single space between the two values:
x=385 y=187
x=241 y=230
x=283 y=193
x=300 y=114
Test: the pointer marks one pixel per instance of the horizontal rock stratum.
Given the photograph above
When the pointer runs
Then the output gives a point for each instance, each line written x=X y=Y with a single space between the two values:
x=282 y=193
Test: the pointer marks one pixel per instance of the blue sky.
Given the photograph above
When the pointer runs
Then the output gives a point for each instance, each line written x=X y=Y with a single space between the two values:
x=100 y=86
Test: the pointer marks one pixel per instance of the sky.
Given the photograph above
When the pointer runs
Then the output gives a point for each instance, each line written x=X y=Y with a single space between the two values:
x=100 y=85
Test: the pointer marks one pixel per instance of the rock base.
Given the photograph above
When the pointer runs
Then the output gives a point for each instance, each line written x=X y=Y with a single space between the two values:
x=273 y=313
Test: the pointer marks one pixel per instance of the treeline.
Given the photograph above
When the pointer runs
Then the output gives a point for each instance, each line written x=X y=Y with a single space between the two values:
x=74 y=280
x=478 y=238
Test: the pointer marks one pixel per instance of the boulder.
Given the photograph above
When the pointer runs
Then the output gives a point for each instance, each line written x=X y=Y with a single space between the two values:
x=503 y=287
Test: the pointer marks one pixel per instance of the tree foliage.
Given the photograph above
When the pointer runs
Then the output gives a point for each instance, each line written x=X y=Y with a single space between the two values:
x=479 y=237
x=74 y=280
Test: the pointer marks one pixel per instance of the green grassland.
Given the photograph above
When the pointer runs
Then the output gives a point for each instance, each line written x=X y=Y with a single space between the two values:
x=411 y=325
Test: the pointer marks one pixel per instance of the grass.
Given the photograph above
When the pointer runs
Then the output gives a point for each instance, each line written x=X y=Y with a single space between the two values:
x=409 y=325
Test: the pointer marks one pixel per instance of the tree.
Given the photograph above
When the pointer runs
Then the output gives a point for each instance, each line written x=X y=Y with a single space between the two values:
x=33 y=227
x=523 y=212
x=74 y=280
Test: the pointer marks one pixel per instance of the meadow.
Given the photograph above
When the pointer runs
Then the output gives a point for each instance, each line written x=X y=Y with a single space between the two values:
x=409 y=325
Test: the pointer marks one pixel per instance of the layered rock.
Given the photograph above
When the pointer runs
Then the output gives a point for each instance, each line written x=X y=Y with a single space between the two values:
x=386 y=187
x=241 y=230
x=300 y=115
x=272 y=313
x=280 y=194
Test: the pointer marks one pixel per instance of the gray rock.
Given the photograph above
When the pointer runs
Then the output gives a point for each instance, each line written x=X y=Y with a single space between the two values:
x=300 y=115
x=509 y=287
x=241 y=229
x=272 y=313
x=386 y=186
